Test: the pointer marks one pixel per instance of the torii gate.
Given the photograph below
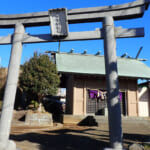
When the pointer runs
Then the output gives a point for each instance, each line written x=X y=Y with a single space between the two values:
x=58 y=19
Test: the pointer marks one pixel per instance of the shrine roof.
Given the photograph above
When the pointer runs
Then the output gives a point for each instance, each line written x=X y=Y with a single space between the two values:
x=94 y=65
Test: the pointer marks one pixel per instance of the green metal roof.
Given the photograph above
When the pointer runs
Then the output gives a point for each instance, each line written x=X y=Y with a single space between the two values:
x=94 y=65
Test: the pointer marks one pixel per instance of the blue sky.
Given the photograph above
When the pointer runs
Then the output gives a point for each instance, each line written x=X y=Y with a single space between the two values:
x=128 y=45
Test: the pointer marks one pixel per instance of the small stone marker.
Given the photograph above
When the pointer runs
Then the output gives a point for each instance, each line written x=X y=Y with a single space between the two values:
x=39 y=119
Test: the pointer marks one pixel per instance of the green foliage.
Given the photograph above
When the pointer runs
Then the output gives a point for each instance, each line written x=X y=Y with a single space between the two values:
x=147 y=146
x=3 y=76
x=39 y=77
x=33 y=104
x=1 y=102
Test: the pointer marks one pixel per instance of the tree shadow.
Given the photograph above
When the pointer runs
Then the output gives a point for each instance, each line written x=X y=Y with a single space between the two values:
x=64 y=139
x=130 y=138
x=76 y=139
x=84 y=132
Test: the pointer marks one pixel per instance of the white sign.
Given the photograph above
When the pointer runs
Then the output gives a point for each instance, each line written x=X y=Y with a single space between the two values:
x=58 y=22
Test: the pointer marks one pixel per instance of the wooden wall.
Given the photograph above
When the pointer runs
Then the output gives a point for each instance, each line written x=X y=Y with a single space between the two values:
x=80 y=85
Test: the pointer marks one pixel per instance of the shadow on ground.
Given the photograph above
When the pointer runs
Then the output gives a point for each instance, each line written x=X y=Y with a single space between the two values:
x=64 y=139
x=135 y=138
x=74 y=139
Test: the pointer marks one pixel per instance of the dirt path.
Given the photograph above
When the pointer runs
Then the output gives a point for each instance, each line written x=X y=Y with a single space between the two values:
x=70 y=137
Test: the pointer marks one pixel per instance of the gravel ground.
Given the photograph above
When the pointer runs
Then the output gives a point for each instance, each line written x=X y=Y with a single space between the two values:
x=72 y=137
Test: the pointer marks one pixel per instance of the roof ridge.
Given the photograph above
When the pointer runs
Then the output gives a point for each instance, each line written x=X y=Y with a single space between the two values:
x=94 y=55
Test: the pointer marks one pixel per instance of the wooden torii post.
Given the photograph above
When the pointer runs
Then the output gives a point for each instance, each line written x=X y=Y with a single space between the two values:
x=58 y=19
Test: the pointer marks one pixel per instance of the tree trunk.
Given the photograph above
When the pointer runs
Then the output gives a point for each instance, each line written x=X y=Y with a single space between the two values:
x=40 y=107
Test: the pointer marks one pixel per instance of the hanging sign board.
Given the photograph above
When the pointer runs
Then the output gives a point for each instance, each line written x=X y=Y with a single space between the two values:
x=58 y=22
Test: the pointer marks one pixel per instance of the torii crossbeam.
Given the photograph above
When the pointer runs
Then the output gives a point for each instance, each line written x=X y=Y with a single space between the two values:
x=130 y=10
x=58 y=19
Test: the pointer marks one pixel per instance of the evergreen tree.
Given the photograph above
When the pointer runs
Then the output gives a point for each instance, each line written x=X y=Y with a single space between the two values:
x=39 y=77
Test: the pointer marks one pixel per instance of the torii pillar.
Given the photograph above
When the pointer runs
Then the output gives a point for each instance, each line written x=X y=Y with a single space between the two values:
x=10 y=89
x=114 y=110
